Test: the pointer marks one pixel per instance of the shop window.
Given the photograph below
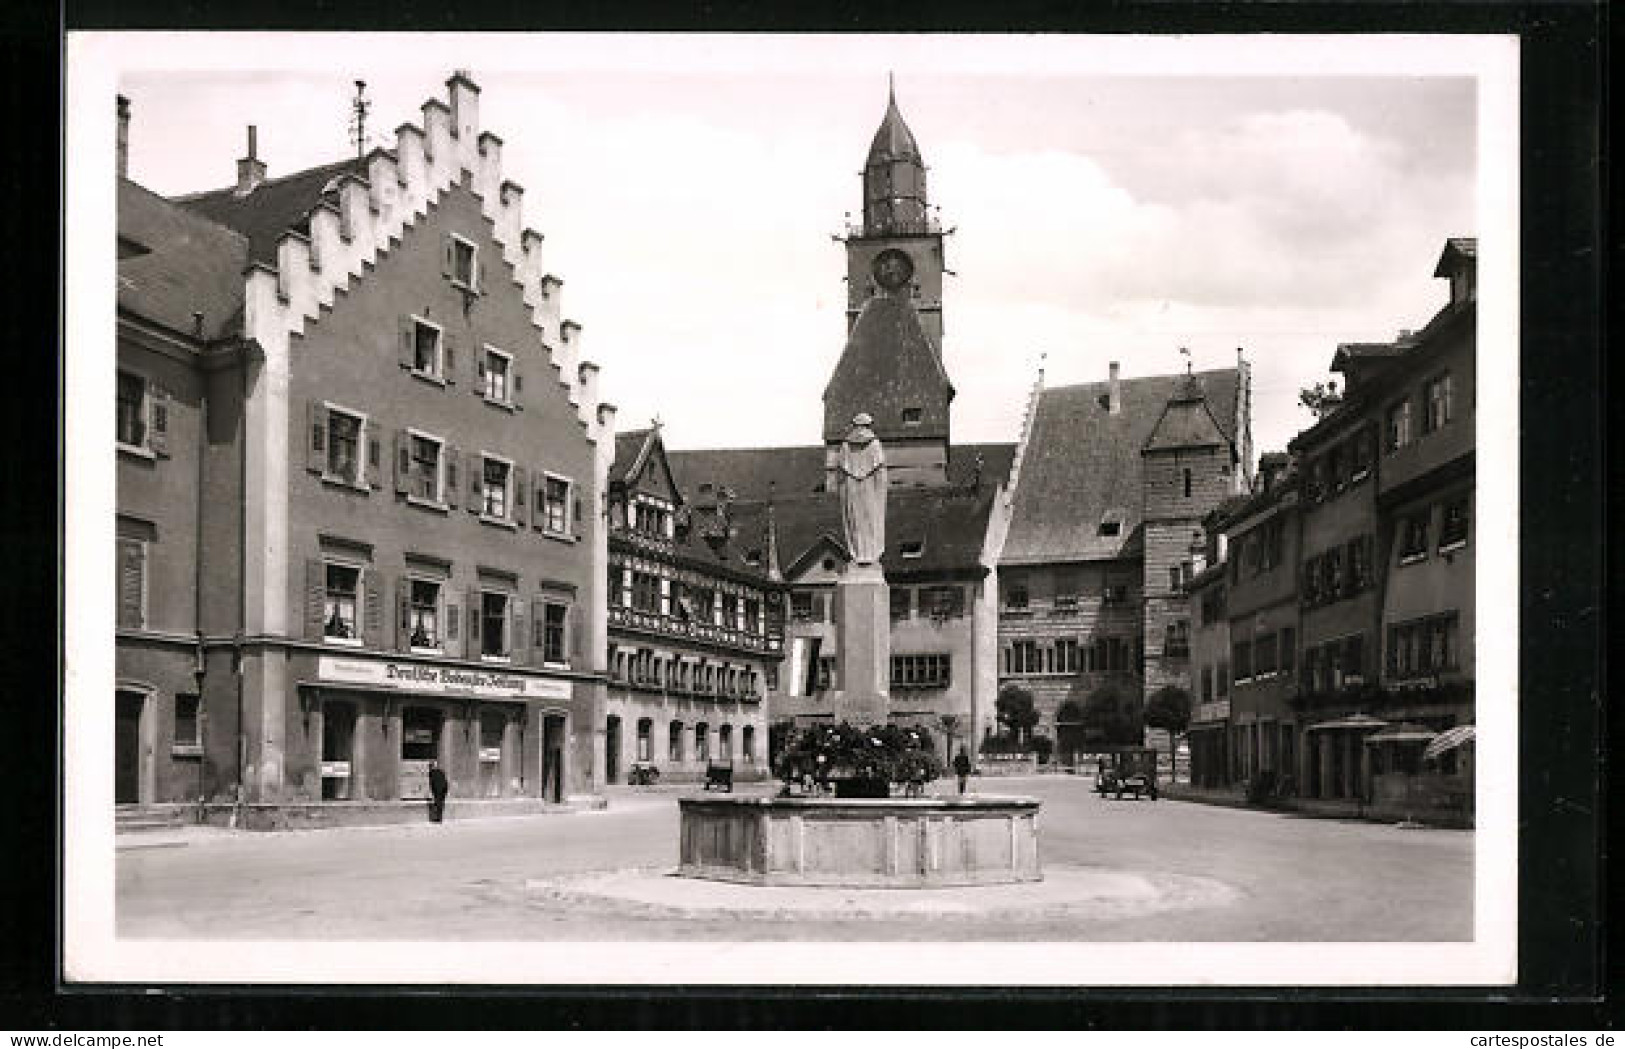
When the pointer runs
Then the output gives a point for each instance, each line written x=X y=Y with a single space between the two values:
x=494 y=624
x=423 y=615
x=902 y=605
x=674 y=741
x=187 y=738
x=645 y=744
x=492 y=725
x=496 y=376
x=496 y=476
x=702 y=742
x=427 y=345
x=556 y=505
x=339 y=608
x=1453 y=530
x=420 y=734
x=1399 y=426
x=1437 y=398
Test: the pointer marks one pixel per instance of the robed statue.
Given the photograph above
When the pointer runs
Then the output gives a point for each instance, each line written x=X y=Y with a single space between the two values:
x=862 y=476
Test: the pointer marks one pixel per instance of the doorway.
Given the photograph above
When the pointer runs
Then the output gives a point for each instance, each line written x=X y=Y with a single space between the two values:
x=612 y=750
x=127 y=747
x=420 y=745
x=493 y=724
x=338 y=748
x=553 y=758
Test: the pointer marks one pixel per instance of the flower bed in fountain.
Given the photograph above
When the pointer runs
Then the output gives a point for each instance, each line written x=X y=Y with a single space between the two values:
x=858 y=763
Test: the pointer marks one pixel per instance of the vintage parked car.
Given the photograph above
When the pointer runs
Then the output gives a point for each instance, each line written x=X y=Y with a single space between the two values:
x=1127 y=770
x=642 y=774
x=719 y=774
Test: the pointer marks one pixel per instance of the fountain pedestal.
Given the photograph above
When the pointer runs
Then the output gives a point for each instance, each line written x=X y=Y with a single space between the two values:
x=863 y=610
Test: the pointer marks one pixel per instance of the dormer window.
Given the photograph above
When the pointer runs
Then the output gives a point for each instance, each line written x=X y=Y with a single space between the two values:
x=912 y=548
x=911 y=416
x=1110 y=526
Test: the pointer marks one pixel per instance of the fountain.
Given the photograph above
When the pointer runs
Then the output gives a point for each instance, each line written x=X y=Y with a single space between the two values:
x=861 y=841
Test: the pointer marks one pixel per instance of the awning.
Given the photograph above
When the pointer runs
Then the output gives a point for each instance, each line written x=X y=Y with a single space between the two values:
x=1354 y=722
x=1404 y=732
x=1449 y=739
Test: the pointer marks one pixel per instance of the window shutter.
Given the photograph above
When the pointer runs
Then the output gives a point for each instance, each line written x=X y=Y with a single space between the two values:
x=476 y=483
x=372 y=627
x=576 y=641
x=472 y=634
x=574 y=524
x=448 y=362
x=408 y=343
x=131 y=558
x=403 y=460
x=375 y=466
x=403 y=613
x=519 y=650
x=315 y=597
x=518 y=385
x=479 y=271
x=448 y=490
x=521 y=494
x=451 y=623
x=538 y=632
x=316 y=438
x=448 y=256
x=158 y=420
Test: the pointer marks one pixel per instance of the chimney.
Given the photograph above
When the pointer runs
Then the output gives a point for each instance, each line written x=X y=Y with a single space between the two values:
x=1114 y=391
x=250 y=169
x=123 y=137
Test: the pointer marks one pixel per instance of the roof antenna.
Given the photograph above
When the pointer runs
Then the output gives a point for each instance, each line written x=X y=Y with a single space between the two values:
x=1186 y=351
x=891 y=88
x=360 y=106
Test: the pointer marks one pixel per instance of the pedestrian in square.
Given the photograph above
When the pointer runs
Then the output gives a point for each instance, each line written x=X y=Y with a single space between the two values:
x=962 y=768
x=438 y=788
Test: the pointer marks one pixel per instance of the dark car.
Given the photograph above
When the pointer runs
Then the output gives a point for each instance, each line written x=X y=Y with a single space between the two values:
x=1127 y=770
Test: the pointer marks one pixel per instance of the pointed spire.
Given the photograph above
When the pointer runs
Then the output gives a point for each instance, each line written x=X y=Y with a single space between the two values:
x=891 y=89
x=773 y=571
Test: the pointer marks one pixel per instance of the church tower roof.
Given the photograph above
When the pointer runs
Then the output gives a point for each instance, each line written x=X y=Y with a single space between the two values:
x=894 y=198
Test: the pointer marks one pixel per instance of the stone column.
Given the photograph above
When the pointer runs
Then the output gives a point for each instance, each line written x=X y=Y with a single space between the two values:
x=863 y=610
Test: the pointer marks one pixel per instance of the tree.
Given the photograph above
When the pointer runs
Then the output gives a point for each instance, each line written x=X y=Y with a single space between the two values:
x=1169 y=708
x=1107 y=714
x=1322 y=399
x=1015 y=710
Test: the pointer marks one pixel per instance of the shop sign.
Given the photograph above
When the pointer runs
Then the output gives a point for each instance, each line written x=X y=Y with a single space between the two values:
x=490 y=753
x=336 y=769
x=425 y=678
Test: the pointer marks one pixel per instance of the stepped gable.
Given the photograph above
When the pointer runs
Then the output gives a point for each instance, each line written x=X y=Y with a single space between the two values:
x=275 y=206
x=889 y=365
x=174 y=264
x=1186 y=421
x=1082 y=462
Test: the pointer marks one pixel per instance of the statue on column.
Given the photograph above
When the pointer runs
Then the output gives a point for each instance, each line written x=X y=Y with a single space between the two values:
x=862 y=473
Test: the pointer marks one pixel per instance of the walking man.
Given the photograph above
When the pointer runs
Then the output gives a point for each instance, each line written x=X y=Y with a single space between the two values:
x=437 y=790
x=962 y=768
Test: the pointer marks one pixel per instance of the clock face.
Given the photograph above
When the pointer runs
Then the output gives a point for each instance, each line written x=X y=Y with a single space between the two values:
x=893 y=269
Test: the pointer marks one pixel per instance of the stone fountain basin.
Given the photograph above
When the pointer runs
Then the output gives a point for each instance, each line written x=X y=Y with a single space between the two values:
x=861 y=842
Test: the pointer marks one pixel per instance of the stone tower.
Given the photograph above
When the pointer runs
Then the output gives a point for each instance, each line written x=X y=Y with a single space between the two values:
x=896 y=214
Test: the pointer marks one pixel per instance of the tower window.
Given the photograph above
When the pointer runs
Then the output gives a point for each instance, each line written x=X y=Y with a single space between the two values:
x=911 y=416
x=1187 y=482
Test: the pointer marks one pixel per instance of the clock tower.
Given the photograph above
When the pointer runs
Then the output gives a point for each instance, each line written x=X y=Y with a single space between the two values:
x=896 y=217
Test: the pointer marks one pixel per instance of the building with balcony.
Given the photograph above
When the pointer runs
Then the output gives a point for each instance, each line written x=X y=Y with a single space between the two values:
x=360 y=466
x=1111 y=485
x=696 y=624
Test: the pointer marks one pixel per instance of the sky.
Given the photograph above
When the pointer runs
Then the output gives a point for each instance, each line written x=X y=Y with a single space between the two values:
x=1103 y=210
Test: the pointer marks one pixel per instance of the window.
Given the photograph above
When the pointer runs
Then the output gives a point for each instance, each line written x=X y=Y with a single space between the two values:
x=343 y=443
x=1413 y=543
x=462 y=262
x=825 y=678
x=801 y=605
x=645 y=592
x=1265 y=655
x=1187 y=473
x=132 y=403
x=496 y=370
x=425 y=473
x=1015 y=597
x=753 y=616
x=428 y=356
x=1115 y=594
x=1177 y=638
x=187 y=738
x=771 y=676
x=902 y=602
x=1289 y=650
x=1067 y=585
x=942 y=602
x=912 y=548
x=747 y=742
x=1399 y=426
x=554 y=616
x=1437 y=397
x=1110 y=526
x=1212 y=605
x=702 y=742
x=495 y=475
x=1067 y=656
x=1023 y=657
x=420 y=734
x=646 y=730
x=674 y=742
x=338 y=611
x=928 y=671
x=423 y=614
x=911 y=416
x=556 y=505
x=1453 y=532
x=1423 y=647
x=1241 y=658
x=725 y=742
x=493 y=624
x=705 y=604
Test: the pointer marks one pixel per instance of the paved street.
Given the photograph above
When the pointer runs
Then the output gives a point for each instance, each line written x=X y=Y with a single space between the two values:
x=1292 y=878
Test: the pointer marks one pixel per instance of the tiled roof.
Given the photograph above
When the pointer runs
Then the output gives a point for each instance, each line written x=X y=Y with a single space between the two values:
x=889 y=365
x=755 y=474
x=176 y=264
x=1459 y=247
x=629 y=446
x=274 y=207
x=1187 y=421
x=1083 y=462
x=892 y=138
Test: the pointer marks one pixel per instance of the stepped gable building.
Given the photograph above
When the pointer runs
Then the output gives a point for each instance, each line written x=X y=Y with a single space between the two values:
x=947 y=505
x=1111 y=485
x=696 y=624
x=360 y=462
